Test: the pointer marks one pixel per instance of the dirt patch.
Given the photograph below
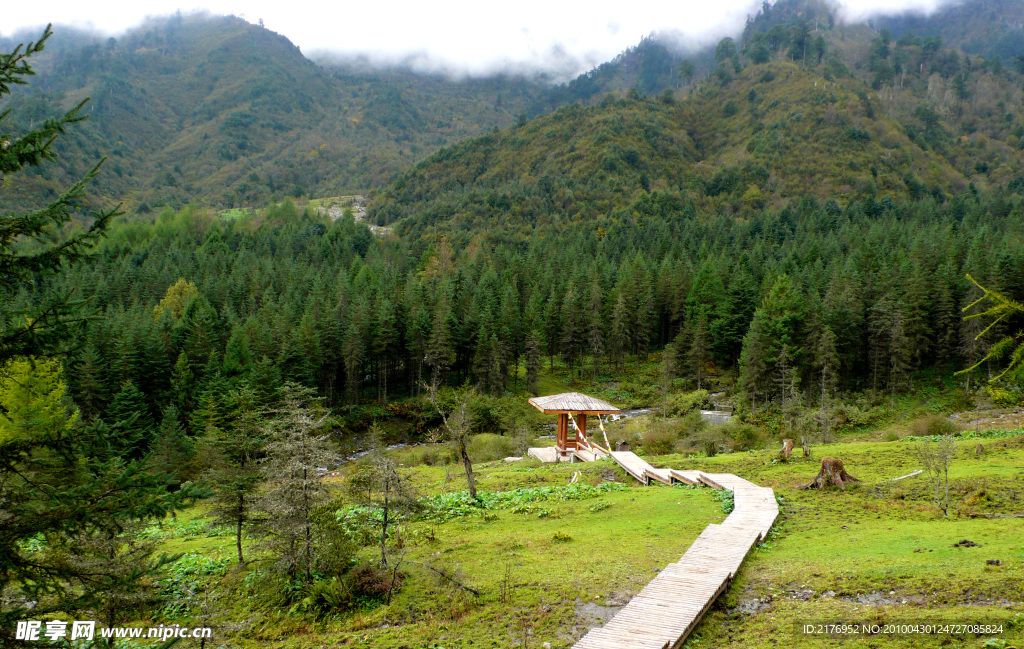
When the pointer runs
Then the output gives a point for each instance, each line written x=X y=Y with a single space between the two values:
x=1003 y=418
x=749 y=606
x=593 y=614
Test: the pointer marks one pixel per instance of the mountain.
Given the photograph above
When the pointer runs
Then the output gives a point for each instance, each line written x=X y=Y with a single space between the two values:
x=216 y=111
x=219 y=111
x=803 y=106
x=987 y=28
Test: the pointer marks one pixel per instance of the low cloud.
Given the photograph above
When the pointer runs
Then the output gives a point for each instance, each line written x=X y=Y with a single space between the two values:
x=459 y=37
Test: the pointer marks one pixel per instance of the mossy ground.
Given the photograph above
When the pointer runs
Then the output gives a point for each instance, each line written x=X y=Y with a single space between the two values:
x=879 y=552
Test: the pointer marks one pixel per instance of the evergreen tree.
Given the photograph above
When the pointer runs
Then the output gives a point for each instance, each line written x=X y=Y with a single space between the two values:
x=352 y=349
x=618 y=339
x=295 y=451
x=130 y=410
x=533 y=361
x=826 y=360
x=595 y=326
x=440 y=350
x=669 y=369
x=172 y=450
x=573 y=330
x=697 y=355
x=232 y=453
x=47 y=325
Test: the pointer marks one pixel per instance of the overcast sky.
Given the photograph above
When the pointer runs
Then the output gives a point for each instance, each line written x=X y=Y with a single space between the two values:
x=469 y=35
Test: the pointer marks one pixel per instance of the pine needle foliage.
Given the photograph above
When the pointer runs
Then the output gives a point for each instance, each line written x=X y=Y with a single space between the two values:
x=997 y=307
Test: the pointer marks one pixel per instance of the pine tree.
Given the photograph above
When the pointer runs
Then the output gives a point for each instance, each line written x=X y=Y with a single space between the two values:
x=595 y=326
x=53 y=484
x=618 y=339
x=352 y=348
x=668 y=374
x=440 y=350
x=48 y=325
x=573 y=330
x=232 y=453
x=697 y=354
x=827 y=361
x=533 y=361
x=297 y=448
x=130 y=410
x=172 y=450
x=754 y=360
x=377 y=485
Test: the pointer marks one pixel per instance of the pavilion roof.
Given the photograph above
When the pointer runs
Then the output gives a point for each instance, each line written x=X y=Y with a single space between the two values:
x=573 y=402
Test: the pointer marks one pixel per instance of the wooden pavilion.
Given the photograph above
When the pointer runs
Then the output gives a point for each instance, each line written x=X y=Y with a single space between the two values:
x=577 y=406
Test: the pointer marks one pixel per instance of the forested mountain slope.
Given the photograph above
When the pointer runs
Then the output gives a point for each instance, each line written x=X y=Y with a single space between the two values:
x=218 y=111
x=771 y=134
x=988 y=28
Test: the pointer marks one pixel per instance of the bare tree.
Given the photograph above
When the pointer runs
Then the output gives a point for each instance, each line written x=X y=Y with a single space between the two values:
x=935 y=460
x=456 y=422
x=379 y=486
x=294 y=489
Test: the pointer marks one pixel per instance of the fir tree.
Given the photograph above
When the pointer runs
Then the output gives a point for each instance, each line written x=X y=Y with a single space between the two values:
x=231 y=453
x=533 y=361
x=296 y=450
x=697 y=354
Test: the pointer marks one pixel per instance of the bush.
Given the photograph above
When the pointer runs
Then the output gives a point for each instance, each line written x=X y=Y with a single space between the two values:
x=691 y=425
x=370 y=582
x=657 y=441
x=743 y=437
x=328 y=596
x=487 y=447
x=684 y=404
x=932 y=425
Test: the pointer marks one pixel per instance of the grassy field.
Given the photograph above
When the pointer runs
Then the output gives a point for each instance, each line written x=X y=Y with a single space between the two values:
x=879 y=552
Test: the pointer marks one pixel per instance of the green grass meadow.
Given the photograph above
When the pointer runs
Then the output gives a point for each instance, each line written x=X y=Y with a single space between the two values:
x=879 y=552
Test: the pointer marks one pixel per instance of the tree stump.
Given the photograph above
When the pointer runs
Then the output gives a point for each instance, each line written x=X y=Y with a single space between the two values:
x=805 y=447
x=979 y=450
x=787 y=449
x=622 y=445
x=832 y=473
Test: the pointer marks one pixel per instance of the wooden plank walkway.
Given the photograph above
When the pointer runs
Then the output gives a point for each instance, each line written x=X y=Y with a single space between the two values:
x=668 y=609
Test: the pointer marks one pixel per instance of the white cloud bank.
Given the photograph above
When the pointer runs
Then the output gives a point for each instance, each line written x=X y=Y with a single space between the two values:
x=463 y=35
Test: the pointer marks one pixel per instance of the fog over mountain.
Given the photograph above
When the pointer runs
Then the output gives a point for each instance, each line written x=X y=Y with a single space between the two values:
x=456 y=37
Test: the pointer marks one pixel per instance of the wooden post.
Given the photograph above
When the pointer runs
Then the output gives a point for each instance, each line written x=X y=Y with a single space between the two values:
x=563 y=430
x=583 y=424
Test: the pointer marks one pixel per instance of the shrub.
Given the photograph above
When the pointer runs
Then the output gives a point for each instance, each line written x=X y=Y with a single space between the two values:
x=658 y=441
x=370 y=582
x=687 y=402
x=487 y=447
x=561 y=537
x=743 y=437
x=430 y=457
x=932 y=425
x=691 y=425
x=328 y=596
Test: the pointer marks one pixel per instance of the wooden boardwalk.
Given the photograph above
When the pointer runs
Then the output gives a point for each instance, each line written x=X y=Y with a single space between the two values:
x=668 y=609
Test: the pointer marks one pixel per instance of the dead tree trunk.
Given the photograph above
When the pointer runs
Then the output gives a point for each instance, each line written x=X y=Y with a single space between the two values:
x=832 y=473
x=804 y=446
x=787 y=449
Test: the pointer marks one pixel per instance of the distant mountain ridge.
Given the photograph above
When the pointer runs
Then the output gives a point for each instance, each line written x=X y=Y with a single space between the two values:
x=802 y=107
x=217 y=111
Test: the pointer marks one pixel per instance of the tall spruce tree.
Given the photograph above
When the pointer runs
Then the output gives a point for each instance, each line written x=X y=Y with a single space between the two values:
x=296 y=450
x=65 y=483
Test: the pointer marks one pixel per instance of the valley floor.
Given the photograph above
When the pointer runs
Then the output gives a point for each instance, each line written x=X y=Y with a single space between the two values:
x=547 y=571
